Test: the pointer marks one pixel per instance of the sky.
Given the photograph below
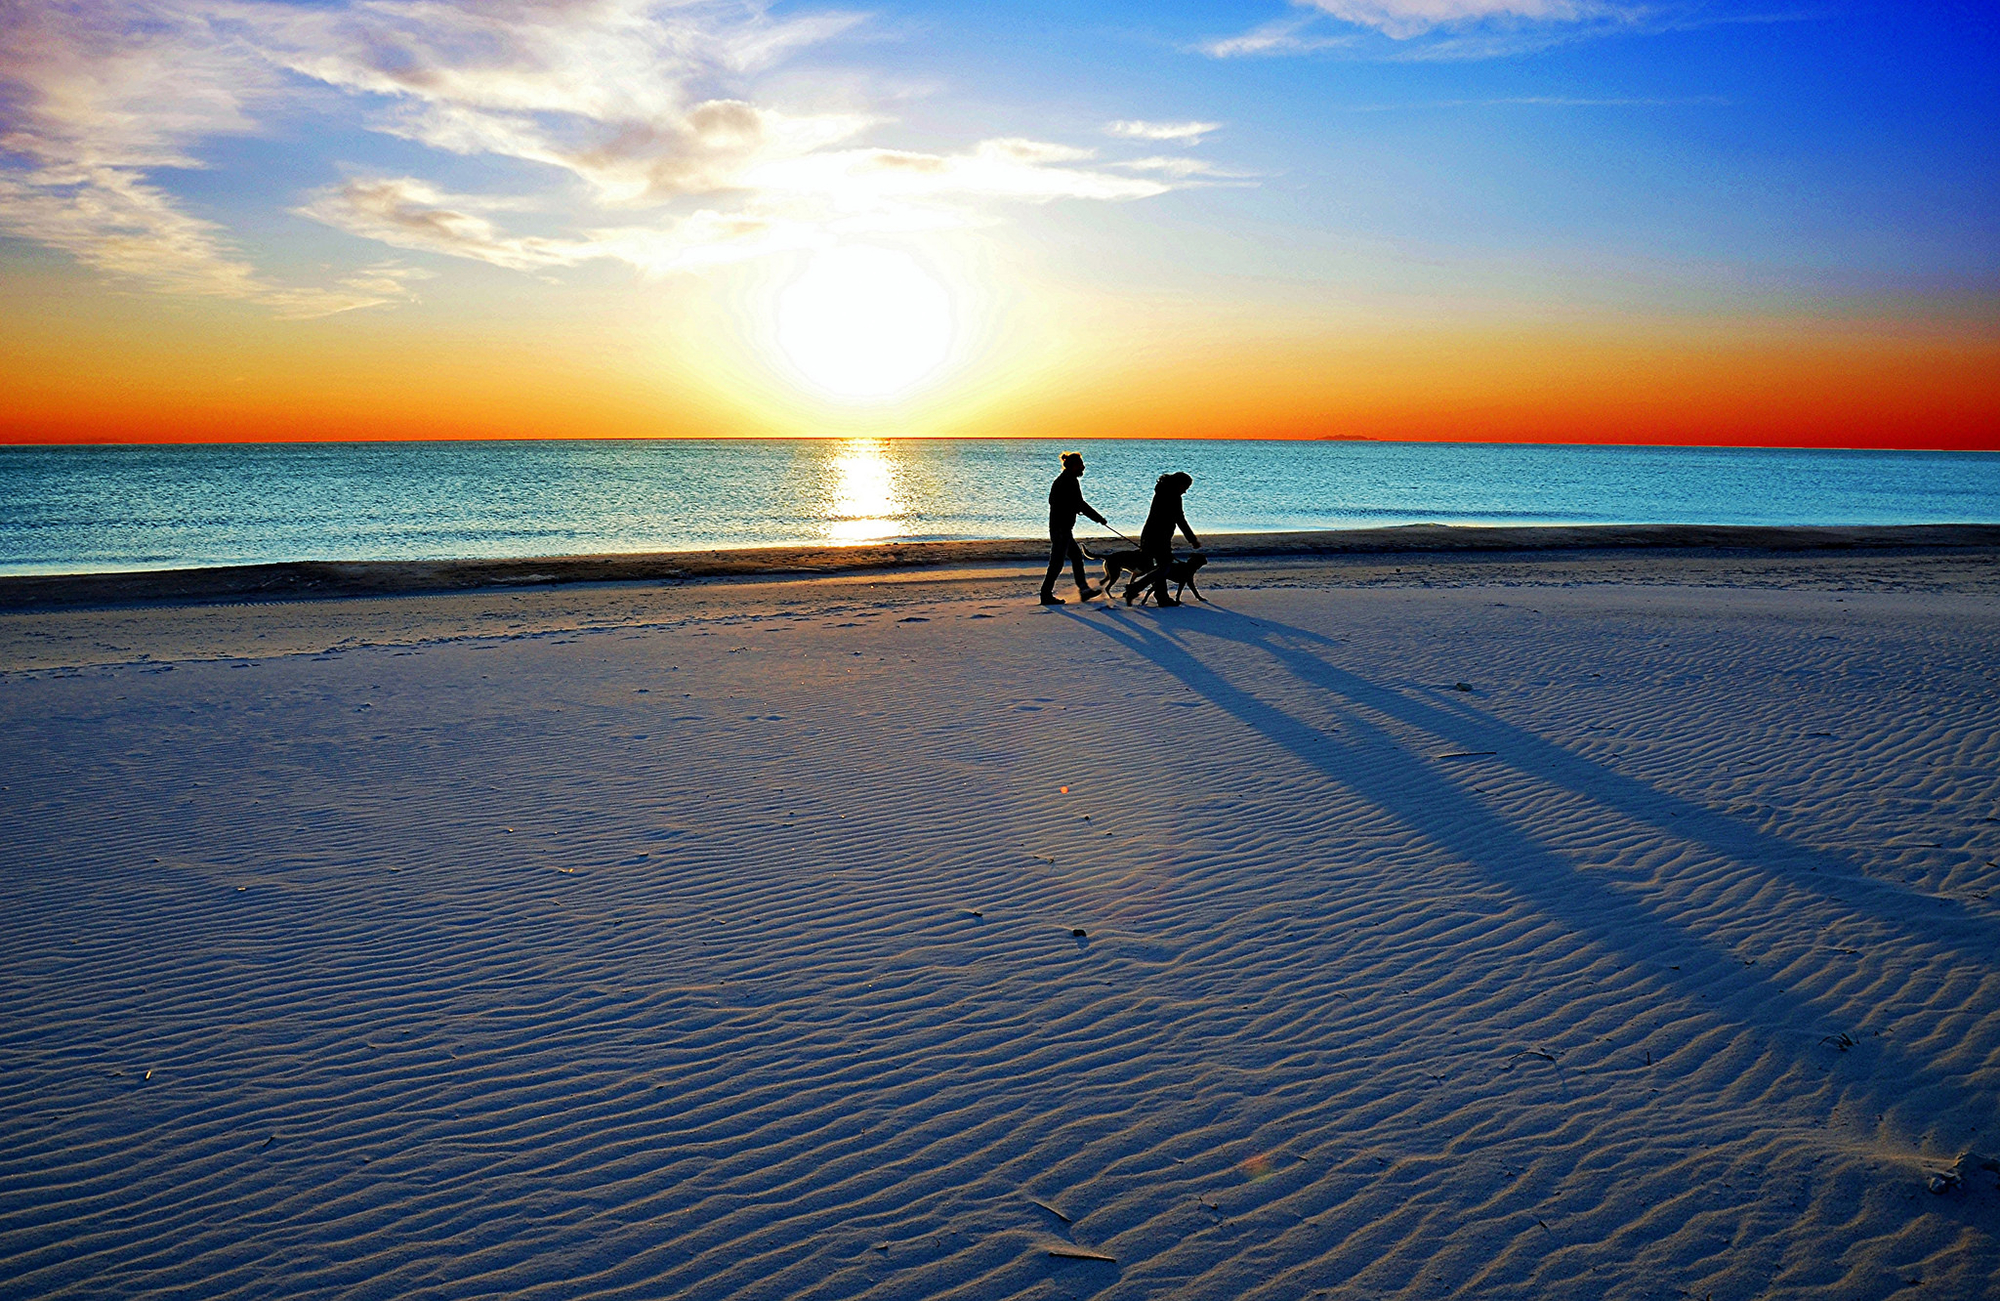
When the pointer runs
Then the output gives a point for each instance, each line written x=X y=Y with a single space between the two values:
x=1677 y=222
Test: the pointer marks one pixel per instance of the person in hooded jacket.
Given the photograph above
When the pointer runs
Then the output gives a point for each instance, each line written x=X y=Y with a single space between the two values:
x=1156 y=540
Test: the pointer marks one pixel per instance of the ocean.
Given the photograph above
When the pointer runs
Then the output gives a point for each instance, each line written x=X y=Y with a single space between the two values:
x=88 y=509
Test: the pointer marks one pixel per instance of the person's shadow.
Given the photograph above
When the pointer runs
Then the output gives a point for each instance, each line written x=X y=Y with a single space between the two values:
x=1371 y=763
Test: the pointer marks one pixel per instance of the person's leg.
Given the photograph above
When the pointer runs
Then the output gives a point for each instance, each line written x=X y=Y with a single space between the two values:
x=1059 y=549
x=1152 y=576
x=1161 y=563
x=1076 y=567
x=1140 y=580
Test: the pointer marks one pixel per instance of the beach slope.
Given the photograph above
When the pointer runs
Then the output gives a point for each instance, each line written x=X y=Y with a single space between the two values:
x=1400 y=926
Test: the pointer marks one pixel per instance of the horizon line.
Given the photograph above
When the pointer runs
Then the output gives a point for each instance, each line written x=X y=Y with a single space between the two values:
x=23 y=443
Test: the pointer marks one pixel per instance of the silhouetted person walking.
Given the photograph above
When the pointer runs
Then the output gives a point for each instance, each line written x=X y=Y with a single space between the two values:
x=1156 y=540
x=1065 y=503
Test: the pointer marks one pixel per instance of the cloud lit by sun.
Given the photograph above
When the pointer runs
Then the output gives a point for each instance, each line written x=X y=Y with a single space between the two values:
x=639 y=103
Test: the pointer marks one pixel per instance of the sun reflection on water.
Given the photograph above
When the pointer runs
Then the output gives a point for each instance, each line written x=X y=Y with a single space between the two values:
x=865 y=505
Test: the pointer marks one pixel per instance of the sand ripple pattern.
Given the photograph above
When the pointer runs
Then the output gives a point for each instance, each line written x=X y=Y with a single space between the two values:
x=1385 y=943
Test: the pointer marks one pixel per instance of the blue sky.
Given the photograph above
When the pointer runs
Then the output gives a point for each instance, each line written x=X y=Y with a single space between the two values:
x=1843 y=148
x=1850 y=146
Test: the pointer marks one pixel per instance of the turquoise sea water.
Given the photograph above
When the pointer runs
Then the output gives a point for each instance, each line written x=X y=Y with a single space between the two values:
x=68 y=510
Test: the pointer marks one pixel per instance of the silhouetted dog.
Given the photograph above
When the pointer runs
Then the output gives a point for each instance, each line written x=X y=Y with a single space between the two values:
x=1180 y=570
x=1116 y=563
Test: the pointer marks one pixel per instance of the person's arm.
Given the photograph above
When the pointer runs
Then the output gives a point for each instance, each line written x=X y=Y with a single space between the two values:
x=1182 y=521
x=1090 y=510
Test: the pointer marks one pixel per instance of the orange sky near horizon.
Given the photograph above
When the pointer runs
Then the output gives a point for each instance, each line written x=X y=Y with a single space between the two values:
x=138 y=370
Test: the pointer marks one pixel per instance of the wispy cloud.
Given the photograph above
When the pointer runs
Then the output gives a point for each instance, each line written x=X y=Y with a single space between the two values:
x=95 y=106
x=389 y=280
x=1030 y=171
x=1403 y=19
x=1441 y=29
x=1180 y=167
x=640 y=143
x=408 y=213
x=108 y=218
x=1285 y=36
x=1545 y=101
x=1187 y=133
x=791 y=203
x=607 y=90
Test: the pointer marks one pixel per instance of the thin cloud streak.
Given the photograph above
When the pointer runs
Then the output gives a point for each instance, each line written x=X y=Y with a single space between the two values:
x=1403 y=19
x=1275 y=38
x=1190 y=133
x=1183 y=168
x=1414 y=31
x=1543 y=101
x=1435 y=29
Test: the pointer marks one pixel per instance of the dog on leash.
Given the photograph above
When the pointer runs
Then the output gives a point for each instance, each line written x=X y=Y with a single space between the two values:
x=1181 y=570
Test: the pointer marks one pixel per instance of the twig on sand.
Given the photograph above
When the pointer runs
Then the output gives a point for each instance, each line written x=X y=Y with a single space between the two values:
x=1081 y=1253
x=1467 y=754
x=1032 y=1201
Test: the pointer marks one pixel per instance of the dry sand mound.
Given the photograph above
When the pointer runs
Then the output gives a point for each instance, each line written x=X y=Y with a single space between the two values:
x=1508 y=939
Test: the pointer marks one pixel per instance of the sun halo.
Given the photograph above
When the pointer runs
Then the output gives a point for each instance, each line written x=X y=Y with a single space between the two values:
x=864 y=324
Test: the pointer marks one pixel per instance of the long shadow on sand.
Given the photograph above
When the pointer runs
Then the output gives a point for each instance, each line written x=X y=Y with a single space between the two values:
x=1814 y=870
x=1376 y=766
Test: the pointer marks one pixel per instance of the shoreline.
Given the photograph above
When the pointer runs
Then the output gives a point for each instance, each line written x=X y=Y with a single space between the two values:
x=320 y=579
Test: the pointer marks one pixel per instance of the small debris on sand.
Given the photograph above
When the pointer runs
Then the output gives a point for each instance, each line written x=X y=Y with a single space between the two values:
x=1081 y=1253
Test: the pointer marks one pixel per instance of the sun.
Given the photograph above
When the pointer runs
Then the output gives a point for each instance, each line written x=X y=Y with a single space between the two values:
x=864 y=324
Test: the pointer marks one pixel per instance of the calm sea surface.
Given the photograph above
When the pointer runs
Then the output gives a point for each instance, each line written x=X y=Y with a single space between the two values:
x=68 y=510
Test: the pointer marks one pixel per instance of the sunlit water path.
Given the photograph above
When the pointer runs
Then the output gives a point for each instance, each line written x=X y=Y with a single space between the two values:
x=68 y=509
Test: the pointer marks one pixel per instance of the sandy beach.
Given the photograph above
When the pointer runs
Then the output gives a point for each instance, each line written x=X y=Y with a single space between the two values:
x=1562 y=923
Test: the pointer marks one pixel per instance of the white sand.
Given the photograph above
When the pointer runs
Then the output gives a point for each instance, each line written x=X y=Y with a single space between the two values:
x=717 y=941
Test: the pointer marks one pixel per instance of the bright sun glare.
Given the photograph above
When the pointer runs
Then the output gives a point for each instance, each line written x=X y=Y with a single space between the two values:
x=865 y=323
x=865 y=504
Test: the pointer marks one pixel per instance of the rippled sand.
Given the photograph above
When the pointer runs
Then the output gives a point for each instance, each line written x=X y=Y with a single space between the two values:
x=1584 y=927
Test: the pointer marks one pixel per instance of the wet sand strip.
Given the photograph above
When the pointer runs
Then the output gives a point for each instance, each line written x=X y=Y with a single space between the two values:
x=295 y=580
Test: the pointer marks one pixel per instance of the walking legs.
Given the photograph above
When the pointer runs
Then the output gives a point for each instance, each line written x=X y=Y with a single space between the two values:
x=1063 y=549
x=1152 y=574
